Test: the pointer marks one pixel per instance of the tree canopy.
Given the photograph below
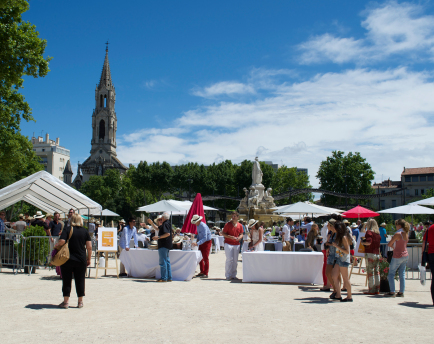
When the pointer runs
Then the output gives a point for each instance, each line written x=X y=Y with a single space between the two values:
x=21 y=54
x=345 y=174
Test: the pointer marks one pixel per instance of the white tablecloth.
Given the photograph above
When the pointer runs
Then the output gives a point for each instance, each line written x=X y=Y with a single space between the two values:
x=220 y=239
x=290 y=267
x=216 y=240
x=278 y=246
x=143 y=263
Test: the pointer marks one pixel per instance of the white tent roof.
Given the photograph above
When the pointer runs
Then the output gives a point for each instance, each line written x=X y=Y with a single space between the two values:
x=302 y=208
x=47 y=193
x=105 y=212
x=408 y=209
x=173 y=206
x=426 y=201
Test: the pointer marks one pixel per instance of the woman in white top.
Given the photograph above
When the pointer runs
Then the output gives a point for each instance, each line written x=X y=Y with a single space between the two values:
x=256 y=235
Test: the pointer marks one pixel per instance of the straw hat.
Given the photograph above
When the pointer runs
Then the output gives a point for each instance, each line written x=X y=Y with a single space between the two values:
x=122 y=221
x=21 y=216
x=153 y=245
x=141 y=230
x=176 y=239
x=354 y=225
x=252 y=222
x=383 y=224
x=332 y=221
x=38 y=215
x=346 y=221
x=157 y=218
x=195 y=219
x=97 y=223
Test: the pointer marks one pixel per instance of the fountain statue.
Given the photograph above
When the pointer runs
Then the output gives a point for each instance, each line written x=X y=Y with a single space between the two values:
x=258 y=202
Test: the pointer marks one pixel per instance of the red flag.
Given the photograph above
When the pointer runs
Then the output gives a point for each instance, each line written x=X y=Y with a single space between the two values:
x=196 y=209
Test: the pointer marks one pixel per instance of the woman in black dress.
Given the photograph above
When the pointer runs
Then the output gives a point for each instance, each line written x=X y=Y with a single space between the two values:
x=78 y=243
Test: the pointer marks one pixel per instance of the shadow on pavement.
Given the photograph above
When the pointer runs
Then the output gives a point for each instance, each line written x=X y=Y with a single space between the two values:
x=415 y=305
x=50 y=278
x=38 y=306
x=315 y=300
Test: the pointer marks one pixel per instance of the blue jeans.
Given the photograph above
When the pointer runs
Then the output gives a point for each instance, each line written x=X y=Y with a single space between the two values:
x=400 y=265
x=164 y=261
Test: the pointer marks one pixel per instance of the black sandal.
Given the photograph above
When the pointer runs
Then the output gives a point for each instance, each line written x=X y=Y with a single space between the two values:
x=332 y=295
x=347 y=300
x=344 y=289
x=336 y=298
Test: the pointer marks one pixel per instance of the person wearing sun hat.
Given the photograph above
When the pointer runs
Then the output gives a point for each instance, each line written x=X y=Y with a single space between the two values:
x=39 y=221
x=204 y=243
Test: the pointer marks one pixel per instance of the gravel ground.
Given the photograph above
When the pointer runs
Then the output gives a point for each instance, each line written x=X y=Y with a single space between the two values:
x=212 y=310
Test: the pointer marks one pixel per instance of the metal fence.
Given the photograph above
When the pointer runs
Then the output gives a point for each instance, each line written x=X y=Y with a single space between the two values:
x=9 y=247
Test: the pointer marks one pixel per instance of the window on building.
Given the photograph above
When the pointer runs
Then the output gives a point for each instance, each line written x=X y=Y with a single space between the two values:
x=422 y=178
x=101 y=101
x=102 y=129
x=105 y=101
x=383 y=204
x=415 y=179
x=422 y=191
x=416 y=192
x=431 y=178
x=407 y=179
x=383 y=191
x=34 y=149
x=393 y=203
x=43 y=149
x=407 y=192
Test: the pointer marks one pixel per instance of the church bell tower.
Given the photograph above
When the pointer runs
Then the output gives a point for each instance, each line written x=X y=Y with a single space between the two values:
x=104 y=121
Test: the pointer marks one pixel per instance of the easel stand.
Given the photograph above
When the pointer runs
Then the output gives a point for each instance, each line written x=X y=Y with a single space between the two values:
x=106 y=263
x=360 y=269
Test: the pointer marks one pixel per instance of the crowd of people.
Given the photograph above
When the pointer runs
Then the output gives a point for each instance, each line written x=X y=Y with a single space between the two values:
x=337 y=240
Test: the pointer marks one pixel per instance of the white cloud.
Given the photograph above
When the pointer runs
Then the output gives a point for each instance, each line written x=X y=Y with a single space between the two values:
x=392 y=29
x=223 y=88
x=386 y=115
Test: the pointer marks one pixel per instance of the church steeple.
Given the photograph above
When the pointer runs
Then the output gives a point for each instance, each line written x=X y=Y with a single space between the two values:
x=104 y=121
x=106 y=77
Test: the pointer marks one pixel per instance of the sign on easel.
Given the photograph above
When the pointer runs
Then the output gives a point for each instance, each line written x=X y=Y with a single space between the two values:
x=107 y=239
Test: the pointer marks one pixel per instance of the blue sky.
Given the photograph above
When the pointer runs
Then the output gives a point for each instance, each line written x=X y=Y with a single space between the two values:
x=289 y=81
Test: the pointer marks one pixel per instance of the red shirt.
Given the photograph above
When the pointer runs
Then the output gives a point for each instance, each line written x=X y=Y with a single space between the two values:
x=236 y=231
x=430 y=240
x=374 y=239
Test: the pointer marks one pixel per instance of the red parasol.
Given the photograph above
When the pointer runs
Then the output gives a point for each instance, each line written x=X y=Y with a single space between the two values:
x=196 y=209
x=359 y=212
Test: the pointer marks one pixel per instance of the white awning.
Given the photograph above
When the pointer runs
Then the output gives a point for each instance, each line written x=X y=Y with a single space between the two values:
x=47 y=193
x=171 y=205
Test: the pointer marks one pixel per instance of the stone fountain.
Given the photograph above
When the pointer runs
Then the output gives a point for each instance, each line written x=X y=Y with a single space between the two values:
x=258 y=203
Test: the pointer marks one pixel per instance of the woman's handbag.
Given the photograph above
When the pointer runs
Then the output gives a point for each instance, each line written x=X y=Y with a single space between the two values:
x=62 y=256
x=389 y=256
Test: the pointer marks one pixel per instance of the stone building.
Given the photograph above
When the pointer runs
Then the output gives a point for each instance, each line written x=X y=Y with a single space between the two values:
x=416 y=181
x=52 y=155
x=104 y=125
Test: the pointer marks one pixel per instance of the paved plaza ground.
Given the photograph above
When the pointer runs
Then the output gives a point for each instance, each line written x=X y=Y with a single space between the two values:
x=206 y=311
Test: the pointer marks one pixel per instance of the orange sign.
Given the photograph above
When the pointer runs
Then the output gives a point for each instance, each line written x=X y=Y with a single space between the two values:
x=107 y=239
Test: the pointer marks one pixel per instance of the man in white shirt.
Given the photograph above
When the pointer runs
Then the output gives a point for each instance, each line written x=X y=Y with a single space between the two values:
x=288 y=231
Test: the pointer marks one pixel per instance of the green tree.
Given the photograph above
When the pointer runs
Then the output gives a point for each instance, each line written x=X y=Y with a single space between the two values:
x=340 y=170
x=287 y=178
x=21 y=54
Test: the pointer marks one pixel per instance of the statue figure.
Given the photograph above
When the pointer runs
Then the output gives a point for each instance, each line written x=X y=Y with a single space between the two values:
x=245 y=200
x=256 y=173
x=253 y=197
x=268 y=198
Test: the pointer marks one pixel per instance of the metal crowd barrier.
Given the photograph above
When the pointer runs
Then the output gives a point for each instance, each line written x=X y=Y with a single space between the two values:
x=9 y=251
x=37 y=252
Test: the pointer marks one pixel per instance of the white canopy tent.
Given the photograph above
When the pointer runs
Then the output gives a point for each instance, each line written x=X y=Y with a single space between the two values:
x=47 y=193
x=173 y=206
x=105 y=212
x=426 y=201
x=408 y=209
x=302 y=208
